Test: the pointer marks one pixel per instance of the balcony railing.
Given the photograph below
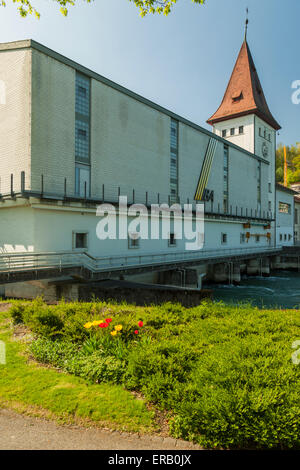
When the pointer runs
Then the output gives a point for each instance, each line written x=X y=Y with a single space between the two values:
x=61 y=189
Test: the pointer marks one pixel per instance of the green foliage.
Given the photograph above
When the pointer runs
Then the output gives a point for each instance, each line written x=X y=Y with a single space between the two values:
x=145 y=6
x=293 y=161
x=94 y=366
x=158 y=6
x=225 y=373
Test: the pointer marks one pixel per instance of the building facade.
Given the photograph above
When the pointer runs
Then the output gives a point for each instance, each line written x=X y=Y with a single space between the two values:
x=72 y=139
x=285 y=216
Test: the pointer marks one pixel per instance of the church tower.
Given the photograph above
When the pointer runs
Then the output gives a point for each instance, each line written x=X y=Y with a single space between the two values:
x=244 y=117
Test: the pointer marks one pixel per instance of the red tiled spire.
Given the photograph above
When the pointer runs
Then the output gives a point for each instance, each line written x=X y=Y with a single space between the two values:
x=244 y=94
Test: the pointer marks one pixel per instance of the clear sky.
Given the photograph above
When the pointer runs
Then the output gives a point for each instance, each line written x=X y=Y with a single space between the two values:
x=182 y=62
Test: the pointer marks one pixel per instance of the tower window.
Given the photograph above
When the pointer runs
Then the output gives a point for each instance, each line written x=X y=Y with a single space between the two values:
x=236 y=98
x=224 y=133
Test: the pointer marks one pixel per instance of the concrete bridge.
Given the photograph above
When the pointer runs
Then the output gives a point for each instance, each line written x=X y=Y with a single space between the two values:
x=31 y=274
x=18 y=267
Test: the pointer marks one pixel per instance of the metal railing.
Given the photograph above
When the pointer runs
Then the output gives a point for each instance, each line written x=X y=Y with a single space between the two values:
x=16 y=262
x=60 y=188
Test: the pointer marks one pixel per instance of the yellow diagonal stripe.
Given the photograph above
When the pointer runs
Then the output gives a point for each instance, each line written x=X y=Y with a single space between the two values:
x=206 y=168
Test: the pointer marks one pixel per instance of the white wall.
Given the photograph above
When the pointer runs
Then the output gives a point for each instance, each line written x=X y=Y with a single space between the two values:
x=284 y=222
x=15 y=116
x=17 y=229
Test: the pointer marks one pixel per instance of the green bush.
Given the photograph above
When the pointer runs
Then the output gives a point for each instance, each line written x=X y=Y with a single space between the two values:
x=94 y=367
x=17 y=312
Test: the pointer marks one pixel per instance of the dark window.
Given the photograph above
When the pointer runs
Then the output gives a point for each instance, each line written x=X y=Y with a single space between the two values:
x=241 y=130
x=232 y=131
x=224 y=133
x=172 y=239
x=223 y=238
x=80 y=240
x=134 y=240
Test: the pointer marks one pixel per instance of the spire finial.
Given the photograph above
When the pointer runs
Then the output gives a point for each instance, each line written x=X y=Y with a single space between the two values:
x=246 y=24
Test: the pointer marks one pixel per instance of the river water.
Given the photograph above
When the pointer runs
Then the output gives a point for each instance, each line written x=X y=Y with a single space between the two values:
x=280 y=290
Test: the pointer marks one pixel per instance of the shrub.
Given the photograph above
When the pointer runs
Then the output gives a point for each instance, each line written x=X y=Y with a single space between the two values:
x=94 y=367
x=17 y=312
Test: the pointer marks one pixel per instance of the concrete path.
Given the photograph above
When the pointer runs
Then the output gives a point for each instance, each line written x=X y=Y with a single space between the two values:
x=19 y=432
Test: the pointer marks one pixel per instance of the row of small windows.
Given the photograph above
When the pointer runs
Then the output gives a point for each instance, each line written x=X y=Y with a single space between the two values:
x=80 y=240
x=240 y=130
x=285 y=237
x=232 y=131
x=264 y=134
x=243 y=238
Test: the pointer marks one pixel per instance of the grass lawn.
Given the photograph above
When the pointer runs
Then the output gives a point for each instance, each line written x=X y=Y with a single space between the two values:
x=42 y=391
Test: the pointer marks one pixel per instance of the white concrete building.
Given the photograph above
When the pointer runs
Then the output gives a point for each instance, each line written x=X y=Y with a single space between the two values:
x=285 y=215
x=71 y=139
x=297 y=220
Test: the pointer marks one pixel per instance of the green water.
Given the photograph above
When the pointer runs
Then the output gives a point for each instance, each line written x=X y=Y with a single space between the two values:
x=281 y=289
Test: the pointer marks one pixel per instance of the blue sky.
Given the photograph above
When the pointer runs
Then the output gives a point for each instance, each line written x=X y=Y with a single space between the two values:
x=184 y=61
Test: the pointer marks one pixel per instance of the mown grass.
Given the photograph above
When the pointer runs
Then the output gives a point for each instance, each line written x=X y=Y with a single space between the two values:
x=30 y=387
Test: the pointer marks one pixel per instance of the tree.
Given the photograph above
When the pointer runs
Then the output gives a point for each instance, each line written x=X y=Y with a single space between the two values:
x=145 y=6
x=293 y=163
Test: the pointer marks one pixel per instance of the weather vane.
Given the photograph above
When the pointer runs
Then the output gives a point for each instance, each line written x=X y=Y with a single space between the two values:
x=247 y=22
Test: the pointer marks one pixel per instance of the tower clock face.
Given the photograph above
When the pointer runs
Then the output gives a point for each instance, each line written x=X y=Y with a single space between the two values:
x=265 y=150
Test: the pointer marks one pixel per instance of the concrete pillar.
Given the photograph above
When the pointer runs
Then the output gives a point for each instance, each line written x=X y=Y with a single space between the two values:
x=265 y=270
x=220 y=273
x=254 y=267
x=236 y=274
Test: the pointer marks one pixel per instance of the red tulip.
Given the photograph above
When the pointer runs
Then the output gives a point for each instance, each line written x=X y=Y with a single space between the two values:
x=136 y=332
x=101 y=325
x=140 y=323
x=108 y=320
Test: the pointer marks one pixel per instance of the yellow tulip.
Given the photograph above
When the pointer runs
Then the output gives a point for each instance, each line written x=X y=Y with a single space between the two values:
x=113 y=333
x=118 y=327
x=88 y=325
x=97 y=322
